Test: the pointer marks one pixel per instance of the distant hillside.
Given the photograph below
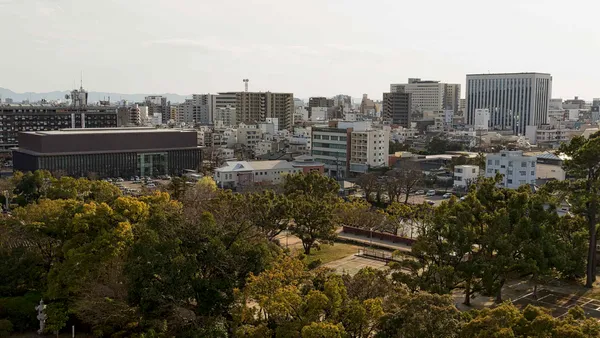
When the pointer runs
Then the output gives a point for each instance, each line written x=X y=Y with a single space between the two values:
x=93 y=96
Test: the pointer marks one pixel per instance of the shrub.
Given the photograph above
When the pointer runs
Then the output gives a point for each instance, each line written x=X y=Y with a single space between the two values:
x=20 y=311
x=314 y=264
x=6 y=327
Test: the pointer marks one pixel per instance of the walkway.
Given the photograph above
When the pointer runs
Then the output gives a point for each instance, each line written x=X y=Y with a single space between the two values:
x=360 y=240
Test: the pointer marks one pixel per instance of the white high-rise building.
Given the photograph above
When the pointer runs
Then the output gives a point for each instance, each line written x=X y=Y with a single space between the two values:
x=516 y=169
x=514 y=100
x=482 y=119
x=430 y=95
x=198 y=110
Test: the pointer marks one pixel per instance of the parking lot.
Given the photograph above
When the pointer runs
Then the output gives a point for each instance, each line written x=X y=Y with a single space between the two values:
x=134 y=187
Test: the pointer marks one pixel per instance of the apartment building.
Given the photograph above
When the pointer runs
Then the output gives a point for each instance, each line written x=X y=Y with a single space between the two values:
x=200 y=109
x=465 y=175
x=397 y=108
x=430 y=95
x=158 y=106
x=249 y=135
x=369 y=149
x=516 y=168
x=255 y=107
x=225 y=116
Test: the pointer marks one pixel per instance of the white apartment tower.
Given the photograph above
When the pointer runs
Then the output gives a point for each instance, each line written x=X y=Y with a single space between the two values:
x=516 y=169
x=514 y=100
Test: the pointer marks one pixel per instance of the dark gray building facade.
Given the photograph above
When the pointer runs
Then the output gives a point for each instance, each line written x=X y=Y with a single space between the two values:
x=115 y=152
x=397 y=108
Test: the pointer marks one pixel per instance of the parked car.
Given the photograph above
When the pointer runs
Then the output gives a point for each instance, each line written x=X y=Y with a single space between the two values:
x=420 y=192
x=463 y=198
x=431 y=202
x=150 y=185
x=447 y=195
x=120 y=180
x=430 y=193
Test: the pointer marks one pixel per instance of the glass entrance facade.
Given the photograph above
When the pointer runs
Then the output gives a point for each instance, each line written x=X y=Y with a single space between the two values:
x=152 y=164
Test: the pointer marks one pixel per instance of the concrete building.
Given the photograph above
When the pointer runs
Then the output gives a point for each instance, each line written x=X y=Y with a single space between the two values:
x=397 y=108
x=249 y=135
x=369 y=148
x=241 y=174
x=200 y=109
x=320 y=102
x=465 y=175
x=109 y=152
x=255 y=107
x=575 y=103
x=549 y=167
x=319 y=114
x=430 y=95
x=515 y=100
x=15 y=118
x=158 y=106
x=330 y=146
x=482 y=119
x=367 y=105
x=516 y=168
x=226 y=116
x=308 y=164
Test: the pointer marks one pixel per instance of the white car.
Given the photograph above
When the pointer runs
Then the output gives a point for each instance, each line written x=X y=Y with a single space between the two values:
x=430 y=193
x=447 y=195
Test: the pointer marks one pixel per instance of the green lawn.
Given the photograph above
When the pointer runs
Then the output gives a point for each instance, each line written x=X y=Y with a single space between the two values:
x=330 y=253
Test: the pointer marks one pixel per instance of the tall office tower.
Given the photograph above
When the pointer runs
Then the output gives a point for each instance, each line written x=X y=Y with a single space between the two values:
x=198 y=110
x=158 y=106
x=397 y=108
x=514 y=100
x=254 y=107
x=430 y=95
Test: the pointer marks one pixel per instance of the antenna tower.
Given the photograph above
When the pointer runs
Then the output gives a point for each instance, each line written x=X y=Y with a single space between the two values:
x=246 y=84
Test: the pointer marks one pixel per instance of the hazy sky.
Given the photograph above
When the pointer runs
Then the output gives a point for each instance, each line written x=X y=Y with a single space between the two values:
x=308 y=47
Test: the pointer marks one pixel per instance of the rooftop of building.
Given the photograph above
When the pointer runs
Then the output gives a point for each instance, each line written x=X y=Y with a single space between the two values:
x=89 y=131
x=254 y=165
x=523 y=73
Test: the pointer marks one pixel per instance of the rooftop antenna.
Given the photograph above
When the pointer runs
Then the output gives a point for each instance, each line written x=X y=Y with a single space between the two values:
x=246 y=84
x=81 y=80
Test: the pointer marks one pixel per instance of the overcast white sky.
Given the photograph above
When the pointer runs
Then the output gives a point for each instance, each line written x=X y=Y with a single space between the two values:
x=308 y=47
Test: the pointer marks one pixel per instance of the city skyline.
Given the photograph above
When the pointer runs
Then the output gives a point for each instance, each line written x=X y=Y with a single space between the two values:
x=321 y=48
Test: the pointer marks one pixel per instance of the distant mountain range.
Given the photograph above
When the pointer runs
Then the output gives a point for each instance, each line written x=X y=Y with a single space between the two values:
x=93 y=96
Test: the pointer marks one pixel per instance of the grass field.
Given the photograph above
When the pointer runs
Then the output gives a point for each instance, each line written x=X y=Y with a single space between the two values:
x=329 y=253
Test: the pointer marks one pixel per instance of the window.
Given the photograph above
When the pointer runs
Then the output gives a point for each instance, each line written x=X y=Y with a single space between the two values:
x=509 y=172
x=510 y=163
x=523 y=164
x=497 y=162
x=496 y=171
x=489 y=162
x=502 y=166
x=473 y=170
x=521 y=182
x=325 y=137
x=459 y=170
x=509 y=181
x=334 y=138
x=317 y=137
x=522 y=173
x=343 y=138
x=533 y=164
x=532 y=173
